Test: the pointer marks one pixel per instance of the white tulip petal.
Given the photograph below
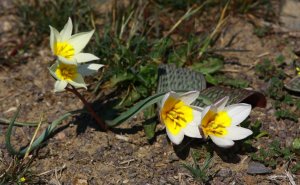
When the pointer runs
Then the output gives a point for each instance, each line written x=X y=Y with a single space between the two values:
x=169 y=95
x=192 y=131
x=189 y=97
x=89 y=69
x=205 y=111
x=238 y=112
x=237 y=133
x=176 y=139
x=67 y=30
x=197 y=117
x=78 y=82
x=174 y=95
x=54 y=38
x=52 y=70
x=220 y=104
x=166 y=96
x=85 y=57
x=94 y=66
x=60 y=86
x=192 y=128
x=222 y=142
x=80 y=40
x=67 y=61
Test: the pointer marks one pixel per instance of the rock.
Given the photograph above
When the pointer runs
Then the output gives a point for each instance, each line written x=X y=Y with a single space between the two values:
x=225 y=172
x=257 y=168
x=290 y=15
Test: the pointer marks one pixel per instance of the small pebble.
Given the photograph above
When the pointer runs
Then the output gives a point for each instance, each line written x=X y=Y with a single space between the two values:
x=225 y=172
x=257 y=168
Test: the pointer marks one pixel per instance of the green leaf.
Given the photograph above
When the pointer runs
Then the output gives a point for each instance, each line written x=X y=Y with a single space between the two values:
x=118 y=78
x=175 y=79
x=178 y=56
x=183 y=80
x=209 y=66
x=148 y=75
x=235 y=96
x=141 y=105
x=159 y=49
x=129 y=98
x=211 y=79
x=225 y=80
x=200 y=173
x=49 y=130
x=8 y=134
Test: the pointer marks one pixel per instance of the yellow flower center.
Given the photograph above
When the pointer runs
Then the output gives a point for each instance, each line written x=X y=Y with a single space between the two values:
x=64 y=49
x=66 y=72
x=298 y=70
x=215 y=123
x=176 y=115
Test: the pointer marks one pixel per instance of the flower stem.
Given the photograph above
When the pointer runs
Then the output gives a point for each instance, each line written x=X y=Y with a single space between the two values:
x=100 y=122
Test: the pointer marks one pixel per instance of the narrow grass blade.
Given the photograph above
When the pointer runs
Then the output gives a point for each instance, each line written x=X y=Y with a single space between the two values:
x=49 y=130
x=33 y=137
x=16 y=123
x=8 y=134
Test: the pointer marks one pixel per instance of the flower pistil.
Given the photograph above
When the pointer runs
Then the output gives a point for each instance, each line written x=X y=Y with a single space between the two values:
x=66 y=72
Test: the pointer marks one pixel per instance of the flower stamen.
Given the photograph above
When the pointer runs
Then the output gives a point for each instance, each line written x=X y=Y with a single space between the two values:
x=176 y=115
x=215 y=123
x=64 y=49
x=66 y=72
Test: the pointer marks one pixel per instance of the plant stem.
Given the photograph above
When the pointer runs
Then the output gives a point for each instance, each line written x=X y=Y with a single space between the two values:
x=100 y=122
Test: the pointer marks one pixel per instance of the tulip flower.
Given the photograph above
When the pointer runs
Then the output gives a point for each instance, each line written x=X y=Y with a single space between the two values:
x=179 y=117
x=71 y=74
x=67 y=47
x=220 y=123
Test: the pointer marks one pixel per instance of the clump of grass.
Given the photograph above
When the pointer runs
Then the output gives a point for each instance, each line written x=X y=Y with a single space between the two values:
x=266 y=70
x=133 y=54
x=272 y=72
x=199 y=172
x=18 y=171
x=277 y=155
x=243 y=6
x=36 y=16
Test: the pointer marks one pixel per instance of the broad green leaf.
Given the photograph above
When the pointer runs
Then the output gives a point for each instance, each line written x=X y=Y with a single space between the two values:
x=171 y=78
x=182 y=80
x=235 y=96
x=141 y=105
x=209 y=66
